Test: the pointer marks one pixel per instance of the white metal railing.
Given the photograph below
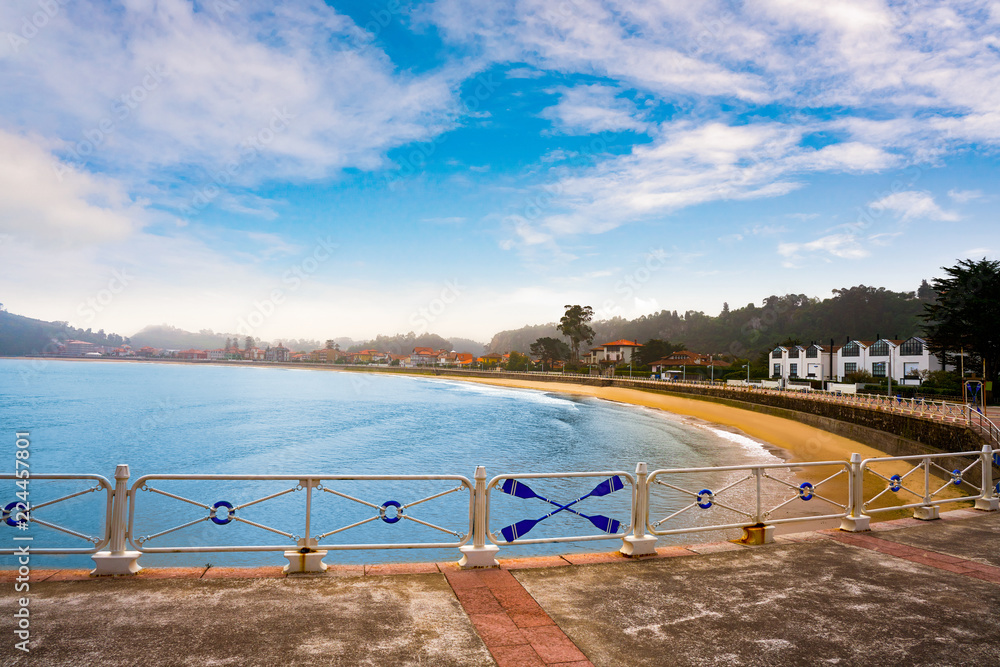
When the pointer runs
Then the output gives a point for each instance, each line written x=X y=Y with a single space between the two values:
x=684 y=500
x=223 y=512
x=921 y=482
x=21 y=514
x=753 y=508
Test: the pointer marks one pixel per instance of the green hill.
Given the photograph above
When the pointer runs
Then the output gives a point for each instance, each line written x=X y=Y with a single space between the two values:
x=26 y=336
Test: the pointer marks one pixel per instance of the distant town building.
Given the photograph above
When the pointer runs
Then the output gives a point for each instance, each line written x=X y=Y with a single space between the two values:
x=424 y=356
x=277 y=353
x=78 y=348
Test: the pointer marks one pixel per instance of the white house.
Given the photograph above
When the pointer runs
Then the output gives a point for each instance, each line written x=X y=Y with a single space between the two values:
x=902 y=360
x=615 y=352
x=853 y=357
x=911 y=358
x=819 y=361
x=802 y=362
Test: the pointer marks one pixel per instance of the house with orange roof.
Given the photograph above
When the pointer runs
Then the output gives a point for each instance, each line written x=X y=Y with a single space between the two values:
x=424 y=356
x=253 y=354
x=616 y=352
x=490 y=360
x=687 y=358
x=327 y=355
x=192 y=354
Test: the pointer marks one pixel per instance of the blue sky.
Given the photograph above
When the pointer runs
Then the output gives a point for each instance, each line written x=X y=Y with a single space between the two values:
x=345 y=169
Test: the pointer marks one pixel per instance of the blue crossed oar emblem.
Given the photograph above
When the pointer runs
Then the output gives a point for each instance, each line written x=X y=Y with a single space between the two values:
x=519 y=489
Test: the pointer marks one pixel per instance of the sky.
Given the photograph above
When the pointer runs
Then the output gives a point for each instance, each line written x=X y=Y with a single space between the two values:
x=315 y=170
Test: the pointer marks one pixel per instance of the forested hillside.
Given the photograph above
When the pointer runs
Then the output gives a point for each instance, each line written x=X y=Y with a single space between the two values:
x=860 y=312
x=25 y=336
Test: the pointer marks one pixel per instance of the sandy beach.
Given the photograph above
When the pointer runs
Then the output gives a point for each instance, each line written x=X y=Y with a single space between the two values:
x=795 y=441
x=791 y=440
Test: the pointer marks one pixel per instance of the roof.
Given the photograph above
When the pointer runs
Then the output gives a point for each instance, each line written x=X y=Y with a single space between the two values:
x=623 y=343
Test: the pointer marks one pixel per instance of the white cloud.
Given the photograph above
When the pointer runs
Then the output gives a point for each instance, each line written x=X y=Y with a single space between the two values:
x=689 y=164
x=964 y=196
x=925 y=70
x=52 y=203
x=842 y=246
x=912 y=205
x=288 y=89
x=594 y=109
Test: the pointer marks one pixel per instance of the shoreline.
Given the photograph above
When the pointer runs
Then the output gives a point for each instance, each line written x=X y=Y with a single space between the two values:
x=791 y=441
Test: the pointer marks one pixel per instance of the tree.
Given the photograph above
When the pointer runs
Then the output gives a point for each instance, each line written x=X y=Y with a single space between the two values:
x=248 y=342
x=655 y=349
x=966 y=314
x=574 y=325
x=229 y=343
x=550 y=350
x=331 y=344
x=517 y=361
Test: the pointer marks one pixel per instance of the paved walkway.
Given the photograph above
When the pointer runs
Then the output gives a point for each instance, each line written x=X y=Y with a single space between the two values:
x=909 y=592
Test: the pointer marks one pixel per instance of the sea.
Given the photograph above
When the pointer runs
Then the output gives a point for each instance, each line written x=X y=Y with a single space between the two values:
x=321 y=428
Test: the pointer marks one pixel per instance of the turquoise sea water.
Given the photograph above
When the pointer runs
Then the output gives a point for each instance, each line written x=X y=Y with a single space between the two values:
x=86 y=417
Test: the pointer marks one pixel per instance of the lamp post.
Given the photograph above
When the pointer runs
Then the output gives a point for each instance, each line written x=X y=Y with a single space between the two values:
x=747 y=366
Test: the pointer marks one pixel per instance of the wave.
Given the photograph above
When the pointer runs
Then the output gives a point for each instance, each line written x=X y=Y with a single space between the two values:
x=530 y=395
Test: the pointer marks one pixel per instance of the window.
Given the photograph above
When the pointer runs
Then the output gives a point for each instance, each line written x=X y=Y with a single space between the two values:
x=911 y=369
x=812 y=352
x=850 y=368
x=777 y=370
x=879 y=349
x=776 y=354
x=793 y=353
x=852 y=349
x=878 y=369
x=912 y=348
x=793 y=370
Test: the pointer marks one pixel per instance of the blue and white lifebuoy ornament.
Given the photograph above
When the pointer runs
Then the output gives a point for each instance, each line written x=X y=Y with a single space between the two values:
x=230 y=513
x=895 y=483
x=805 y=491
x=705 y=499
x=9 y=513
x=398 y=511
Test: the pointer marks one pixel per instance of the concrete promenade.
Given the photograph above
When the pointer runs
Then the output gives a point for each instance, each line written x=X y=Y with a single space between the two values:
x=909 y=592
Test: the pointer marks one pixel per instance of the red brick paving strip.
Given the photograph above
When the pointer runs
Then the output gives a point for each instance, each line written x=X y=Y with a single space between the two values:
x=917 y=555
x=515 y=629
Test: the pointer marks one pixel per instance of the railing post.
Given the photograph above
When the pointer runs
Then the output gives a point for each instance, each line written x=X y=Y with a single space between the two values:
x=989 y=502
x=479 y=554
x=758 y=533
x=927 y=511
x=117 y=560
x=639 y=543
x=306 y=558
x=855 y=521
